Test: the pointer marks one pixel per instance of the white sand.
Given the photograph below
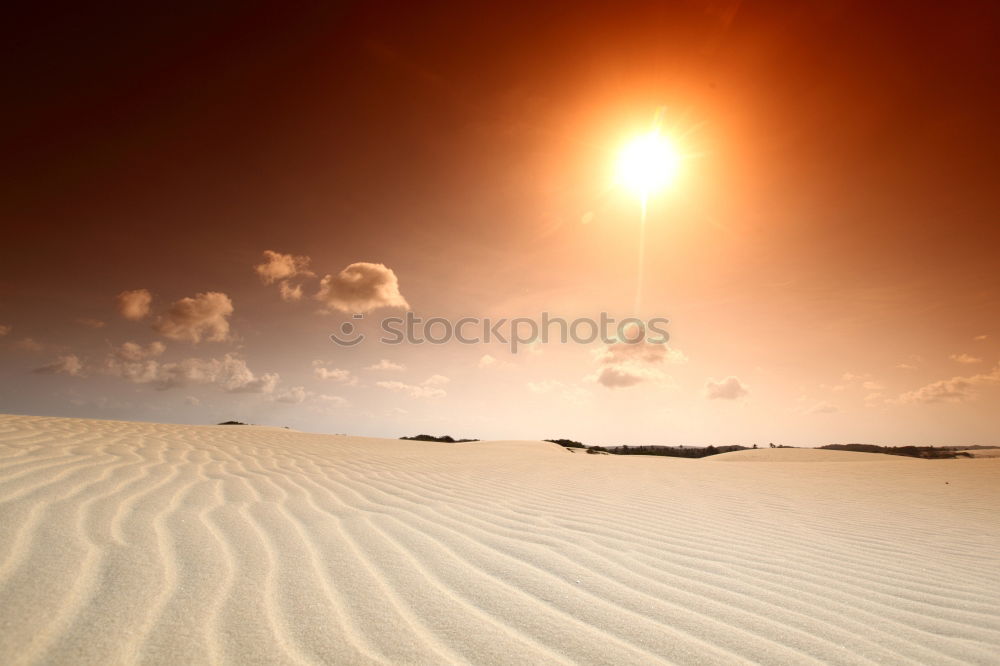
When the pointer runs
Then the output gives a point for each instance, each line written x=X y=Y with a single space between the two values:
x=128 y=542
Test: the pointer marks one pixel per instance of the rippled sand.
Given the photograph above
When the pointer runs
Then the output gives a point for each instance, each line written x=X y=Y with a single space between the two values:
x=138 y=542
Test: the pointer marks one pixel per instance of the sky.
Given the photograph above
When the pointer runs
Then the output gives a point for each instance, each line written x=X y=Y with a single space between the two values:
x=196 y=198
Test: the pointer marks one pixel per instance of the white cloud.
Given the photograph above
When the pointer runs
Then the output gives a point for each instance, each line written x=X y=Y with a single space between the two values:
x=279 y=266
x=429 y=388
x=192 y=319
x=361 y=287
x=290 y=292
x=486 y=361
x=626 y=363
x=967 y=359
x=729 y=388
x=230 y=373
x=385 y=364
x=321 y=370
x=293 y=396
x=956 y=389
x=131 y=351
x=134 y=304
x=64 y=365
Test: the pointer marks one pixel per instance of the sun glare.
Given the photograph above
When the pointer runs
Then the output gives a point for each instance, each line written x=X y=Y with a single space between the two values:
x=648 y=163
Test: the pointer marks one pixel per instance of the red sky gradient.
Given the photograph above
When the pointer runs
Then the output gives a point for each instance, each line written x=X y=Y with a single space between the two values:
x=831 y=243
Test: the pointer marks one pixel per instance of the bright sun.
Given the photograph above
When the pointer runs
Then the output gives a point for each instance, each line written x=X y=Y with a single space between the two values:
x=648 y=163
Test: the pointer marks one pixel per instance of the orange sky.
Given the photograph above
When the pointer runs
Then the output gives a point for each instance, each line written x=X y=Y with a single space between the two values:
x=830 y=243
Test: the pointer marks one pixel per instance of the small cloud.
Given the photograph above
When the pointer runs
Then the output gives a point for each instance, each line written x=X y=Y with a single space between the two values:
x=626 y=363
x=29 y=345
x=230 y=373
x=967 y=359
x=64 y=365
x=192 y=319
x=587 y=217
x=980 y=337
x=332 y=399
x=386 y=364
x=436 y=380
x=956 y=389
x=335 y=374
x=486 y=361
x=823 y=407
x=5 y=329
x=290 y=292
x=850 y=376
x=872 y=386
x=729 y=388
x=361 y=287
x=91 y=323
x=131 y=351
x=293 y=396
x=906 y=366
x=134 y=304
x=279 y=266
x=429 y=388
x=192 y=400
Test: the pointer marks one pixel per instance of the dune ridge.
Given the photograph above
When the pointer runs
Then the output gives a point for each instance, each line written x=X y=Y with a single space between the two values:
x=130 y=542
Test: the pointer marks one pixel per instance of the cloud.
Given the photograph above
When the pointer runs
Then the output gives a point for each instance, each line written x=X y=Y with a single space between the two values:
x=230 y=373
x=968 y=359
x=386 y=364
x=429 y=388
x=624 y=364
x=192 y=400
x=331 y=399
x=729 y=388
x=486 y=361
x=279 y=266
x=192 y=319
x=956 y=389
x=5 y=329
x=850 y=376
x=980 y=337
x=361 y=287
x=131 y=351
x=64 y=365
x=872 y=386
x=293 y=396
x=336 y=374
x=823 y=407
x=290 y=292
x=134 y=305
x=91 y=323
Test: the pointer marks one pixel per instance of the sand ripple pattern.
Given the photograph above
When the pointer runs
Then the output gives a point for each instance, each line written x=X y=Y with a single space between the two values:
x=148 y=543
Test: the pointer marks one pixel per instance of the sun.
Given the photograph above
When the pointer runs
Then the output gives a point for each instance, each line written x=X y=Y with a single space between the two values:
x=648 y=163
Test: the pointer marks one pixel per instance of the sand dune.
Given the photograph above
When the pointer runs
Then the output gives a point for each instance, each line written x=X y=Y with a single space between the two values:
x=134 y=542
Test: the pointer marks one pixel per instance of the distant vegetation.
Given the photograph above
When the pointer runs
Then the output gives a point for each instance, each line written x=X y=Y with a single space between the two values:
x=443 y=438
x=671 y=451
x=567 y=443
x=931 y=452
x=232 y=423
